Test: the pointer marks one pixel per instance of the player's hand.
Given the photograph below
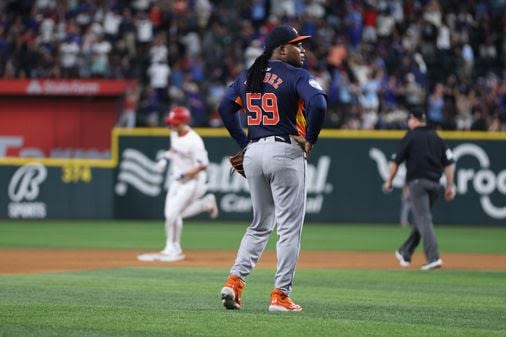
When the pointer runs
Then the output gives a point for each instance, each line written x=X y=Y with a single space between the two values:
x=161 y=165
x=450 y=192
x=306 y=146
x=191 y=174
x=387 y=186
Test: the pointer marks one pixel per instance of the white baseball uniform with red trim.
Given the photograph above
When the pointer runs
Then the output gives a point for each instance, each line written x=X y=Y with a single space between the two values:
x=184 y=198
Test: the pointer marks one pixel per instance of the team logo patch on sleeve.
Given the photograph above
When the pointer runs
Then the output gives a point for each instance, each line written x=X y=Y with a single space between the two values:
x=315 y=84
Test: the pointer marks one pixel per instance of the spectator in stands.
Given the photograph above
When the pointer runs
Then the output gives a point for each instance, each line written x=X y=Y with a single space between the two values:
x=144 y=28
x=464 y=103
x=415 y=43
x=479 y=121
x=100 y=50
x=159 y=51
x=435 y=107
x=370 y=100
x=128 y=117
x=111 y=23
x=149 y=110
x=69 y=58
x=159 y=73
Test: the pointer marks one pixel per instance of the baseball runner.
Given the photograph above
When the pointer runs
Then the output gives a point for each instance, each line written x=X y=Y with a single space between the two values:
x=427 y=157
x=285 y=109
x=185 y=197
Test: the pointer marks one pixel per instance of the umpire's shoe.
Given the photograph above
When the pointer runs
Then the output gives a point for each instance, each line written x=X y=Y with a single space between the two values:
x=232 y=292
x=432 y=265
x=402 y=261
x=282 y=302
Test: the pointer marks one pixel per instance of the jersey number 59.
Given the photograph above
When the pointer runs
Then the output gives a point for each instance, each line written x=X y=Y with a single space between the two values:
x=264 y=108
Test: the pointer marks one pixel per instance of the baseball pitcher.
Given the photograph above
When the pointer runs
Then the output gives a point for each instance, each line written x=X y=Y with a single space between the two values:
x=285 y=109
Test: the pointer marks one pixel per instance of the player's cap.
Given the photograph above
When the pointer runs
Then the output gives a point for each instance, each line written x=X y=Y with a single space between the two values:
x=418 y=113
x=283 y=35
x=178 y=115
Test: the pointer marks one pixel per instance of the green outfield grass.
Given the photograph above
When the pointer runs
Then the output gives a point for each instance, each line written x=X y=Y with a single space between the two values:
x=216 y=235
x=177 y=301
x=185 y=302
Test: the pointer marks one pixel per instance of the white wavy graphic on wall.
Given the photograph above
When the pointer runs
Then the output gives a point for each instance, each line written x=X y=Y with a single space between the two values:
x=138 y=171
x=485 y=182
x=384 y=167
x=151 y=177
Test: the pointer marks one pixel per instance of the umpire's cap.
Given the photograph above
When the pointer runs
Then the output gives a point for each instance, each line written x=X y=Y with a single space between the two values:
x=178 y=115
x=283 y=35
x=418 y=113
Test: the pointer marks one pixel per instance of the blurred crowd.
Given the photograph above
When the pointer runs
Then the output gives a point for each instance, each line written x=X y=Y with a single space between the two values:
x=375 y=58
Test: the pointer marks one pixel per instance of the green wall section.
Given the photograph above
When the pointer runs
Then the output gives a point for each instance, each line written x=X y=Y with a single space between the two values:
x=35 y=191
x=345 y=176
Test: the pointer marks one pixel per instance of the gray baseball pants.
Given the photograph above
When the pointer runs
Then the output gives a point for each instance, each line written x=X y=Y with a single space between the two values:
x=423 y=194
x=276 y=173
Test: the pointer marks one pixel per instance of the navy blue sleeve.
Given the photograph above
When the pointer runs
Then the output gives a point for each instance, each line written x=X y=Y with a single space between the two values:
x=307 y=86
x=315 y=114
x=228 y=110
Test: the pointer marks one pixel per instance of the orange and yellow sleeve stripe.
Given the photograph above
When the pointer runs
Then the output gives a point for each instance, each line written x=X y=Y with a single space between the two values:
x=300 y=119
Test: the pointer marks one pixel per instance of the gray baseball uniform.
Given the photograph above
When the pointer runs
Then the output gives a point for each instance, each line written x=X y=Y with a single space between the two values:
x=276 y=173
x=274 y=162
x=282 y=101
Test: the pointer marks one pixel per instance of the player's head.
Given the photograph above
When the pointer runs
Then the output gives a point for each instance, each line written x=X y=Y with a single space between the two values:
x=177 y=116
x=286 y=44
x=283 y=35
x=282 y=43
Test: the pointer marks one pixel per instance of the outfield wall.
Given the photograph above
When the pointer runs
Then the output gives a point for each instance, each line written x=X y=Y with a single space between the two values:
x=345 y=176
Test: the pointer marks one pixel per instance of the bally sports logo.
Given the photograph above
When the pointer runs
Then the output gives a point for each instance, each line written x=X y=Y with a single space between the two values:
x=24 y=188
x=484 y=181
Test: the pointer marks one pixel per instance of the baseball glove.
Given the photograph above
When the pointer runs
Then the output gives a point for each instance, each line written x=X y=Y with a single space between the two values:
x=236 y=162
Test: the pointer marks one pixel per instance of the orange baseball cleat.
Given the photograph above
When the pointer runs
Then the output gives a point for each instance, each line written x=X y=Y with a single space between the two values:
x=282 y=302
x=232 y=292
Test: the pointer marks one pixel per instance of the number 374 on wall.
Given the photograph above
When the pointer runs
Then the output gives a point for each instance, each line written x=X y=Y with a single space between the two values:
x=73 y=173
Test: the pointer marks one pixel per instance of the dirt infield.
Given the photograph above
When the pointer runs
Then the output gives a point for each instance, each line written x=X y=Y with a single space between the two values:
x=25 y=261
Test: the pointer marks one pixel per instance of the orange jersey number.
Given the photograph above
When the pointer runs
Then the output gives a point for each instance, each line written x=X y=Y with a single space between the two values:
x=267 y=113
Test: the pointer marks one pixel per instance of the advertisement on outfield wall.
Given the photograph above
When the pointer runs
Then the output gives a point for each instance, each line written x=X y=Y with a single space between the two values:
x=141 y=190
x=61 y=87
x=344 y=180
x=50 y=118
x=60 y=128
x=345 y=177
x=37 y=191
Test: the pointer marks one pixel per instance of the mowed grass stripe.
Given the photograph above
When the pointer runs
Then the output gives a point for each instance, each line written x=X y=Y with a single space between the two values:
x=185 y=302
x=217 y=235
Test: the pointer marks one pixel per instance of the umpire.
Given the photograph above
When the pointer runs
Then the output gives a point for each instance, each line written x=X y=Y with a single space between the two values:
x=427 y=157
